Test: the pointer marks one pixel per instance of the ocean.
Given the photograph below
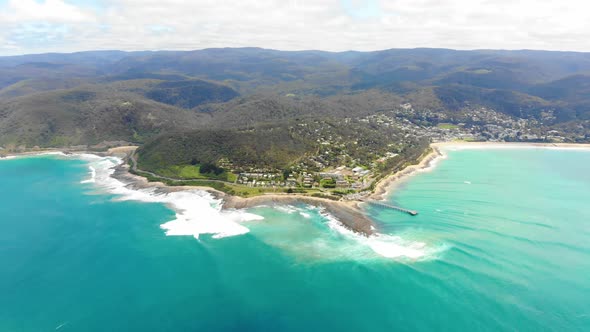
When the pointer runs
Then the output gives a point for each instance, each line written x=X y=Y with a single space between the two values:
x=501 y=243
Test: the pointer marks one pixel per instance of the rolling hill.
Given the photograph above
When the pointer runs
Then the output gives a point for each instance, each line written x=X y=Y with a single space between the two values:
x=87 y=115
x=89 y=97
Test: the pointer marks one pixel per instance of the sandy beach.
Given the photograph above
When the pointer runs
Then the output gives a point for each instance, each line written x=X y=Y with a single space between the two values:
x=507 y=145
x=384 y=187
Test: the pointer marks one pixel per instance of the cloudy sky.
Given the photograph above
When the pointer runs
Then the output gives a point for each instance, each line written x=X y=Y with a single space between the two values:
x=34 y=26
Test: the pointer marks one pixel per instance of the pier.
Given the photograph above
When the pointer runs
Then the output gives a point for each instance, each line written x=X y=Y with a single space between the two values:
x=392 y=207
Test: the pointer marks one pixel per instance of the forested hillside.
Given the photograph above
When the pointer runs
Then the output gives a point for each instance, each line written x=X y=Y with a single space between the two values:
x=233 y=103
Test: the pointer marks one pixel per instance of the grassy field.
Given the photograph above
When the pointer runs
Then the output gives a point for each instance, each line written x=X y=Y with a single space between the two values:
x=189 y=172
x=192 y=172
x=226 y=187
x=447 y=126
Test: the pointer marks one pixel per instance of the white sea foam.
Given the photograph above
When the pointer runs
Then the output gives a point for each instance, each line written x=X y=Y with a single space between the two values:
x=200 y=214
x=289 y=209
x=305 y=215
x=92 y=178
x=197 y=211
x=385 y=245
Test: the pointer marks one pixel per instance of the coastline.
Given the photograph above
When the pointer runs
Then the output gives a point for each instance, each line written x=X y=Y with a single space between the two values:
x=384 y=187
x=509 y=145
x=349 y=213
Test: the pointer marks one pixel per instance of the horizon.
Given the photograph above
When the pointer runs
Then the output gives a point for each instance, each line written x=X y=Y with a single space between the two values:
x=66 y=26
x=301 y=50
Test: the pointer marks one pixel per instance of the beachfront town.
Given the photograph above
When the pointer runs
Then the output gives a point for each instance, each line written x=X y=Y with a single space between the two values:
x=353 y=153
x=349 y=166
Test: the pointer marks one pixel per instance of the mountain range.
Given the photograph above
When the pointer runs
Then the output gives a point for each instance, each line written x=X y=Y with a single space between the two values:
x=87 y=98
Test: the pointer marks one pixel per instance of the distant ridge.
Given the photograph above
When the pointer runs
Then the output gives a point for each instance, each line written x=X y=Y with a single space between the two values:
x=240 y=87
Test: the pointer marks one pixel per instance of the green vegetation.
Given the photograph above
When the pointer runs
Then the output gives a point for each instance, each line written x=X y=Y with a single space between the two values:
x=189 y=93
x=328 y=183
x=447 y=126
x=272 y=147
x=342 y=192
x=204 y=117
x=295 y=191
x=90 y=97
x=332 y=197
x=88 y=115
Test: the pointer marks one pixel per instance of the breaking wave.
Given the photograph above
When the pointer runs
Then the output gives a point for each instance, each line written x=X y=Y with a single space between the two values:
x=92 y=176
x=197 y=211
x=386 y=245
x=312 y=234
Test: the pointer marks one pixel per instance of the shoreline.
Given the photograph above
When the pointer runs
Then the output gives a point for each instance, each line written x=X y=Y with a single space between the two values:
x=510 y=145
x=387 y=185
x=384 y=187
x=348 y=212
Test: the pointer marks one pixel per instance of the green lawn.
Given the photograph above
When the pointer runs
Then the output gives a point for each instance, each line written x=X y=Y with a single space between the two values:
x=447 y=126
x=192 y=172
x=231 y=177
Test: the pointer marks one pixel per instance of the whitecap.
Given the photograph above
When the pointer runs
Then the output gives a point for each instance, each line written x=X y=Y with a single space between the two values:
x=384 y=245
x=197 y=211
x=92 y=178
x=305 y=215
x=289 y=209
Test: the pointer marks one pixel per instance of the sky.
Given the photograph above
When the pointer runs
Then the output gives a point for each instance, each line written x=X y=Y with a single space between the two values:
x=38 y=26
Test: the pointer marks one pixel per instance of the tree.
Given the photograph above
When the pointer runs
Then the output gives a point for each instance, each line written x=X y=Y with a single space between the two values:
x=286 y=174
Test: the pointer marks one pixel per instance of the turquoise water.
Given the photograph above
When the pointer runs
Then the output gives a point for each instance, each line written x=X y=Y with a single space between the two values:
x=502 y=243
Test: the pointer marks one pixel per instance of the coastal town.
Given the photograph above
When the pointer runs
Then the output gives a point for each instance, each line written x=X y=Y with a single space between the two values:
x=348 y=163
x=353 y=154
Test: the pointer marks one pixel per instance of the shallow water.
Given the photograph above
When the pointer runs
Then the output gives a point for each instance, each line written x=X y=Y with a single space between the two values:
x=502 y=242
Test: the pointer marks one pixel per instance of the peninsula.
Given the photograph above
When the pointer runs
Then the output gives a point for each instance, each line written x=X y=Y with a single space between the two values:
x=347 y=209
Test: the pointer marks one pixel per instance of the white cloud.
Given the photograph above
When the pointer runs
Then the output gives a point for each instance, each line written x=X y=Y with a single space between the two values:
x=306 y=24
x=48 y=11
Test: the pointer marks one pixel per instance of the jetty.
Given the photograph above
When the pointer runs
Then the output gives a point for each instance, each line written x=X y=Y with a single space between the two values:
x=392 y=207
